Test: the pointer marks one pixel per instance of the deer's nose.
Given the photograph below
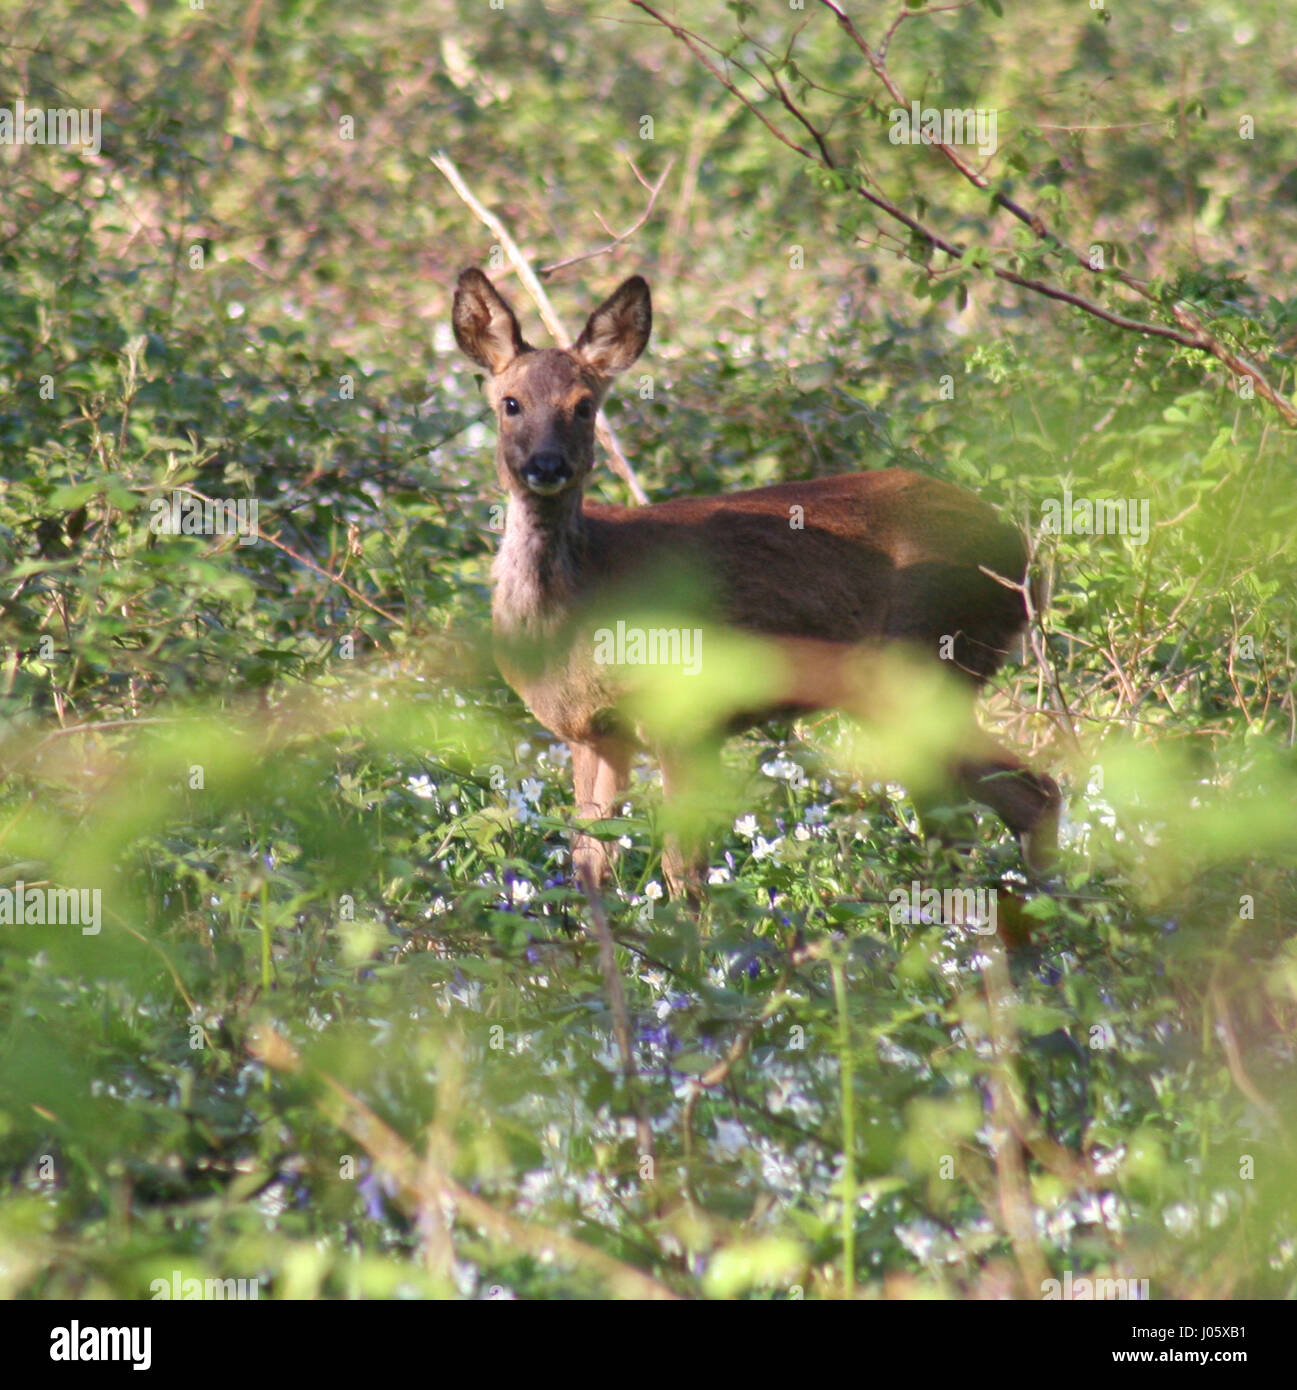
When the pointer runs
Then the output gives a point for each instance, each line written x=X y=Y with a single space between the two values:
x=546 y=472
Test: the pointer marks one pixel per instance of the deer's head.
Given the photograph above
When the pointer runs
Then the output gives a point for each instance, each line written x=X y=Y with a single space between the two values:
x=546 y=399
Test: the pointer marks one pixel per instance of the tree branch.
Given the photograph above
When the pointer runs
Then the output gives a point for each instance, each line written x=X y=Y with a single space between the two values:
x=654 y=189
x=1192 y=332
x=692 y=43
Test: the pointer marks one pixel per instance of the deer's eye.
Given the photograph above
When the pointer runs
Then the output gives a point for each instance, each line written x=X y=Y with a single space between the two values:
x=511 y=406
x=585 y=409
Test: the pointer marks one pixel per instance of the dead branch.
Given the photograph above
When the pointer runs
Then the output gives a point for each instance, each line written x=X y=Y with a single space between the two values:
x=617 y=240
x=617 y=1006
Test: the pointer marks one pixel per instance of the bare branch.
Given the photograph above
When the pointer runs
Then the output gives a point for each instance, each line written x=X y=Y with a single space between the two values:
x=424 y=1184
x=1154 y=330
x=303 y=560
x=1240 y=366
x=796 y=111
x=617 y=1007
x=694 y=45
x=914 y=14
x=1198 y=336
x=653 y=188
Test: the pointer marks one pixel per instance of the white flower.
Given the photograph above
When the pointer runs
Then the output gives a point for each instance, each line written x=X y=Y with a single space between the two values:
x=731 y=1136
x=766 y=849
x=746 y=826
x=531 y=790
x=653 y=890
x=718 y=875
x=815 y=815
x=422 y=786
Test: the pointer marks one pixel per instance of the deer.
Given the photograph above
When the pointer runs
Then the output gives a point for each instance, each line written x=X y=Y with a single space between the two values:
x=883 y=560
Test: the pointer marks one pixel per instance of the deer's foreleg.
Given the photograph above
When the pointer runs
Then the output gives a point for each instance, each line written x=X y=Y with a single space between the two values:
x=600 y=774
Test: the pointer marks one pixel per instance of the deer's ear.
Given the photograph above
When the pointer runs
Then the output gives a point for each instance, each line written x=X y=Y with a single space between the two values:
x=485 y=327
x=618 y=330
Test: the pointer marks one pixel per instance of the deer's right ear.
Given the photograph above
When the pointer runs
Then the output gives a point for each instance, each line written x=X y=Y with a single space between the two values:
x=485 y=327
x=618 y=330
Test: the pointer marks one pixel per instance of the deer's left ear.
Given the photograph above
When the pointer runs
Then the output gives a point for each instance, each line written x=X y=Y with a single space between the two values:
x=618 y=330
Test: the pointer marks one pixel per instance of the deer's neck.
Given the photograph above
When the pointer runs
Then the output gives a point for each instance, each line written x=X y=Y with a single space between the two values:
x=538 y=566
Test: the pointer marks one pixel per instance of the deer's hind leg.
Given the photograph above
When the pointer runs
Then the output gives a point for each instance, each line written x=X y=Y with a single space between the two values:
x=1027 y=802
x=690 y=778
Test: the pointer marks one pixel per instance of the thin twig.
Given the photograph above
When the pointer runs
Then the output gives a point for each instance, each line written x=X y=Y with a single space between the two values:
x=1011 y=1174
x=1234 y=1054
x=914 y=14
x=303 y=560
x=617 y=1005
x=653 y=189
x=719 y=1071
x=692 y=43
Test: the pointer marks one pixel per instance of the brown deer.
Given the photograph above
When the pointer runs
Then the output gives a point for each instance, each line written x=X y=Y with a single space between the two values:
x=877 y=561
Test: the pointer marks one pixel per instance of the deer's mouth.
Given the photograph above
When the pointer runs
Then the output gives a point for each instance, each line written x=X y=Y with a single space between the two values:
x=546 y=479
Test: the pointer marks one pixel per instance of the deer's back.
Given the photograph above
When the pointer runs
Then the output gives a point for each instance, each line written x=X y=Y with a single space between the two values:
x=885 y=554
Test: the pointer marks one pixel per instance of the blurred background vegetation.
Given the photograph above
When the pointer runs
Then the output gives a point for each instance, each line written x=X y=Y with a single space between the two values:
x=343 y=978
